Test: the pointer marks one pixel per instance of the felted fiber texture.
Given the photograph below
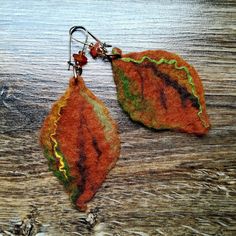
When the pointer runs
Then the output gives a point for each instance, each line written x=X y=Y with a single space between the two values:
x=80 y=141
x=160 y=90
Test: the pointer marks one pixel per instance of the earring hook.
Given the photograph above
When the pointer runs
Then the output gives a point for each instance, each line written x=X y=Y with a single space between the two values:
x=81 y=28
x=97 y=49
x=79 y=58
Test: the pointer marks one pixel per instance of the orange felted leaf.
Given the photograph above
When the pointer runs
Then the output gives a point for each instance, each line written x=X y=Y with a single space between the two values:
x=81 y=142
x=160 y=90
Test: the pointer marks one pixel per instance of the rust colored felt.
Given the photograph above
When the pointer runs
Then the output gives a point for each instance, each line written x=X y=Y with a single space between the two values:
x=81 y=142
x=161 y=90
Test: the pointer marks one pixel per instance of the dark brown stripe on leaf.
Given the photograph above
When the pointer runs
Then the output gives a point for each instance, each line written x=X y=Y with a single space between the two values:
x=82 y=158
x=142 y=83
x=95 y=145
x=94 y=140
x=163 y=99
x=82 y=168
x=183 y=92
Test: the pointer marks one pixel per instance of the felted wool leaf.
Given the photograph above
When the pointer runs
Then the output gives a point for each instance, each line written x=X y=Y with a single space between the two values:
x=160 y=90
x=80 y=141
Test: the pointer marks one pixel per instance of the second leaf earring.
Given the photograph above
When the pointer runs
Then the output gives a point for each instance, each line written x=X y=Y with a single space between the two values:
x=79 y=137
x=157 y=88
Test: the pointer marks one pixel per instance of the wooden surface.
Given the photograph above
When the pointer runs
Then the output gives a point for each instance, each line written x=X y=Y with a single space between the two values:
x=165 y=183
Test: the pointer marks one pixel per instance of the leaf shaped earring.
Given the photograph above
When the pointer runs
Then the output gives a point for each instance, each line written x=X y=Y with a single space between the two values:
x=79 y=138
x=157 y=88
x=160 y=90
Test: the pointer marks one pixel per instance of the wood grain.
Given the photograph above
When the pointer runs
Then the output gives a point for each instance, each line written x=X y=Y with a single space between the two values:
x=164 y=183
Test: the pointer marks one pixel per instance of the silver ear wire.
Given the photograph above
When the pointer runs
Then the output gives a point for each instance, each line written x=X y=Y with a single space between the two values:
x=102 y=46
x=77 y=70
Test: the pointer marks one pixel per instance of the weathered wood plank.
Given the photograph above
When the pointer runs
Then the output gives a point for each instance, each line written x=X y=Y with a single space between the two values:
x=164 y=183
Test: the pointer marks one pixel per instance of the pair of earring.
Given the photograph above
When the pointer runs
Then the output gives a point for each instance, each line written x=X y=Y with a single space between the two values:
x=79 y=137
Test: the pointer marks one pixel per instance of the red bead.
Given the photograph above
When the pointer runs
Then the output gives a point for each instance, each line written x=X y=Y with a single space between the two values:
x=95 y=50
x=80 y=59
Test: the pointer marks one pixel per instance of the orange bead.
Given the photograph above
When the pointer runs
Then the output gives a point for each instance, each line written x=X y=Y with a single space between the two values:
x=80 y=59
x=95 y=50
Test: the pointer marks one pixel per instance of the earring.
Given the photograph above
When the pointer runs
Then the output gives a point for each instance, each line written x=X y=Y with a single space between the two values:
x=79 y=137
x=156 y=88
